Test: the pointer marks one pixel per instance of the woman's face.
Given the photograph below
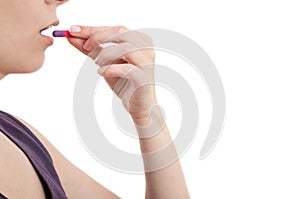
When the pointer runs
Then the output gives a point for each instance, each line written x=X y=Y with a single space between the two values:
x=21 y=44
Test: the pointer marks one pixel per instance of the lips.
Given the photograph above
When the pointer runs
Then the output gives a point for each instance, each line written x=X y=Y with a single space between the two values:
x=46 y=32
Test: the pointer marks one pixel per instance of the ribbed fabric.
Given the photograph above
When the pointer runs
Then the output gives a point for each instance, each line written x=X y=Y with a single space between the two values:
x=37 y=154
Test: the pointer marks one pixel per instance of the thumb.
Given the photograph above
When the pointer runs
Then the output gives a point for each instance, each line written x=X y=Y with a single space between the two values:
x=78 y=43
x=80 y=34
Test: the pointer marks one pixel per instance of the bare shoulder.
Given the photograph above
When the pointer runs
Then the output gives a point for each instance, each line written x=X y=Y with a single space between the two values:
x=75 y=182
x=18 y=178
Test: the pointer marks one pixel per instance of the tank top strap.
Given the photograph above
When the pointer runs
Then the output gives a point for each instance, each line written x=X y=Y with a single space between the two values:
x=35 y=151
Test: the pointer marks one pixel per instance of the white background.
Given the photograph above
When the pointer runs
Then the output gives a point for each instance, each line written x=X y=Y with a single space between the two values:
x=255 y=46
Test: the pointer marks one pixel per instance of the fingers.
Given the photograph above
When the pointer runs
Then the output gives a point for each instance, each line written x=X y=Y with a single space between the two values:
x=127 y=63
x=124 y=52
x=134 y=76
x=128 y=46
x=84 y=32
x=117 y=35
x=93 y=36
x=80 y=34
x=115 y=75
x=78 y=43
x=116 y=70
x=119 y=77
x=124 y=58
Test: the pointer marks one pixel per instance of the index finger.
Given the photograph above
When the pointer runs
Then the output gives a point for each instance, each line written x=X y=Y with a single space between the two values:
x=84 y=32
x=80 y=34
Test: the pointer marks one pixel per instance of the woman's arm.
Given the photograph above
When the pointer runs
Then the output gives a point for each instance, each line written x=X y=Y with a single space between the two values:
x=128 y=68
x=164 y=176
x=75 y=182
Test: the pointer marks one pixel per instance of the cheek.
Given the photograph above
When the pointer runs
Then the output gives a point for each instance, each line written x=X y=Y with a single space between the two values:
x=21 y=49
x=21 y=57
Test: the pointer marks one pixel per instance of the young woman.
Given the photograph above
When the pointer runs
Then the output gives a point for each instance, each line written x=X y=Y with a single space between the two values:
x=30 y=166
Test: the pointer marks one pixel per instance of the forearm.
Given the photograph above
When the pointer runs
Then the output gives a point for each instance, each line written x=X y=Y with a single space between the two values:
x=133 y=59
x=163 y=172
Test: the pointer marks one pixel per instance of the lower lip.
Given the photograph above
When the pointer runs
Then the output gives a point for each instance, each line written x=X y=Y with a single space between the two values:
x=49 y=40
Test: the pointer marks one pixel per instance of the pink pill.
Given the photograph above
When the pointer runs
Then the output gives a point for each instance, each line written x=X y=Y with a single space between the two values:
x=61 y=33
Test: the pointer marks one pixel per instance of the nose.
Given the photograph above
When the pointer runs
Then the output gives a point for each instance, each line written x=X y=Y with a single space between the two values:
x=60 y=2
x=55 y=23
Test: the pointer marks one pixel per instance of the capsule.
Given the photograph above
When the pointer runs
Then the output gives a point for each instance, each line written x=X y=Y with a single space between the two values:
x=61 y=33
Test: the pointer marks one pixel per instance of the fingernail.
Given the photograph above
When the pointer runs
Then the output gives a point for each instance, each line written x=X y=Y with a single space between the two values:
x=101 y=69
x=75 y=29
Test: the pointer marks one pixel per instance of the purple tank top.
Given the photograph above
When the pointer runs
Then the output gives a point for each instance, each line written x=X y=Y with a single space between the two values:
x=37 y=154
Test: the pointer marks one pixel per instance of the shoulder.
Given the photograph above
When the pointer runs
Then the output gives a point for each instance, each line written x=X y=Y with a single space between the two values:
x=18 y=178
x=69 y=174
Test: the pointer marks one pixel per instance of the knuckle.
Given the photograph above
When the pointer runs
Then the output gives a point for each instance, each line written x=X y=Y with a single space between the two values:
x=120 y=29
x=105 y=59
x=93 y=39
x=152 y=54
x=147 y=38
x=128 y=47
x=98 y=60
x=144 y=40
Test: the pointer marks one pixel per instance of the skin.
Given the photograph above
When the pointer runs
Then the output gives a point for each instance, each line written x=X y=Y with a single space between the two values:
x=122 y=60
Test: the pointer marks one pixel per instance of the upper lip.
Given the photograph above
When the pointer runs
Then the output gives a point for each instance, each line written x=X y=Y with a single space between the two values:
x=55 y=23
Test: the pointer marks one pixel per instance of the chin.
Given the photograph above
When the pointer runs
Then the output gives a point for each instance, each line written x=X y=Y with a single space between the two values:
x=32 y=65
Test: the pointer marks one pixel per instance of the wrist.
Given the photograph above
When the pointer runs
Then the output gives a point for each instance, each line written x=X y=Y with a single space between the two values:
x=141 y=113
x=150 y=124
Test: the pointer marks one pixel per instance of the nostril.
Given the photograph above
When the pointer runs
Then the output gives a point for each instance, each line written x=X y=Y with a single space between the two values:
x=56 y=23
x=61 y=1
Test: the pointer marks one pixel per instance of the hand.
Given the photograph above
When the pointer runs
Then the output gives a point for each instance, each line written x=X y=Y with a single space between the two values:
x=127 y=65
x=128 y=68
